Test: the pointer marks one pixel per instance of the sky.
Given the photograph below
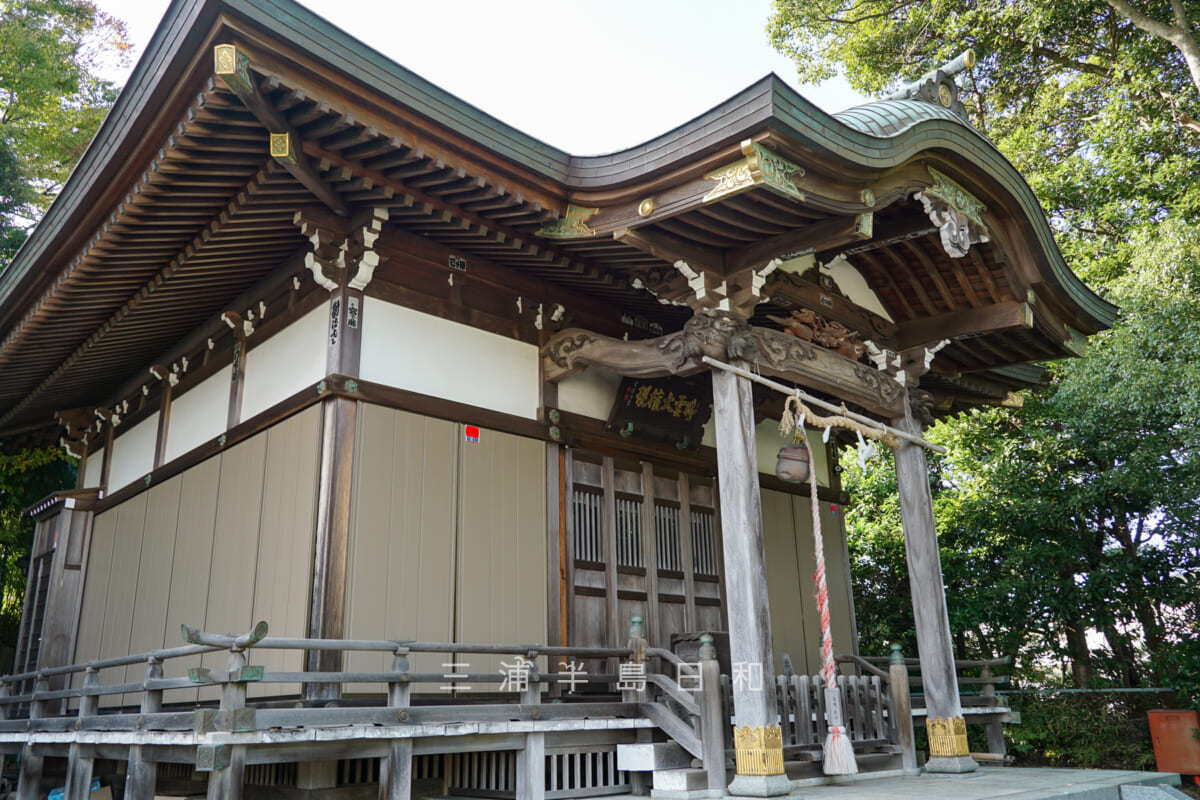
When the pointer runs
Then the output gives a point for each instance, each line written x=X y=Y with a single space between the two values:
x=585 y=77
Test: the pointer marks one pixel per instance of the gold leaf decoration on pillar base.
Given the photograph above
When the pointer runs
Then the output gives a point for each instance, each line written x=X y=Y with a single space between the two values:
x=947 y=737
x=759 y=750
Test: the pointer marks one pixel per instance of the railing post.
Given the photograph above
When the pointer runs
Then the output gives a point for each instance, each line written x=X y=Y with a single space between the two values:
x=902 y=718
x=638 y=781
x=995 y=728
x=531 y=762
x=79 y=765
x=395 y=778
x=29 y=784
x=225 y=781
x=142 y=774
x=712 y=720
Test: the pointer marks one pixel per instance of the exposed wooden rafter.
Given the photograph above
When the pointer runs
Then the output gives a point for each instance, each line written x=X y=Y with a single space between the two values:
x=233 y=68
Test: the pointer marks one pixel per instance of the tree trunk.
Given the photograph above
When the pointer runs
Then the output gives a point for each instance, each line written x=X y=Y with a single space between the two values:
x=1081 y=655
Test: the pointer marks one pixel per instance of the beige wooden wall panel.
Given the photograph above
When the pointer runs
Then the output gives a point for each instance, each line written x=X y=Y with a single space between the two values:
x=786 y=579
x=837 y=579
x=191 y=568
x=220 y=546
x=235 y=546
x=122 y=586
x=841 y=588
x=502 y=546
x=402 y=536
x=95 y=589
x=285 y=548
x=155 y=571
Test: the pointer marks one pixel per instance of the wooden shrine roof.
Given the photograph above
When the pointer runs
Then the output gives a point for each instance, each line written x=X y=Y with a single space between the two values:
x=177 y=212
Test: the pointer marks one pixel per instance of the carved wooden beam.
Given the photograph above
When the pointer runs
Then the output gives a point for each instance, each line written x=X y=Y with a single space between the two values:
x=710 y=333
x=808 y=365
x=788 y=290
x=995 y=318
x=726 y=337
x=232 y=66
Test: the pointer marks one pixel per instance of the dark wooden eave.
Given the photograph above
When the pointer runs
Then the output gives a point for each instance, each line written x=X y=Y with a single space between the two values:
x=177 y=208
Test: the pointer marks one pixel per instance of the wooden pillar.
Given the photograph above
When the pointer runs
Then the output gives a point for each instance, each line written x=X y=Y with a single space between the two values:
x=396 y=773
x=902 y=719
x=237 y=380
x=110 y=434
x=639 y=782
x=531 y=762
x=167 y=380
x=948 y=751
x=29 y=783
x=995 y=728
x=327 y=615
x=712 y=720
x=141 y=775
x=79 y=766
x=225 y=781
x=758 y=739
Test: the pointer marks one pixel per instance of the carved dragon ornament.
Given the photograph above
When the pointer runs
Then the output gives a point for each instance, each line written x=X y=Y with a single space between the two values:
x=709 y=333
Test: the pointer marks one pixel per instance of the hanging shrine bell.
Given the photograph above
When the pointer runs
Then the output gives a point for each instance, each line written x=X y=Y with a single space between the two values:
x=792 y=463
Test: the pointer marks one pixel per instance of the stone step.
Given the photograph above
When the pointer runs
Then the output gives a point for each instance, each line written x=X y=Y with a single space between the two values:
x=680 y=780
x=1151 y=792
x=652 y=757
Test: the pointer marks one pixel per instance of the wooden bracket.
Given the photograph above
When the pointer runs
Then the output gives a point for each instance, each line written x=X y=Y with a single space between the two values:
x=957 y=213
x=78 y=426
x=342 y=253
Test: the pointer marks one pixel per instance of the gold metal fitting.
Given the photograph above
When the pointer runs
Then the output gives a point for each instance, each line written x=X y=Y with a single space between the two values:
x=758 y=751
x=947 y=737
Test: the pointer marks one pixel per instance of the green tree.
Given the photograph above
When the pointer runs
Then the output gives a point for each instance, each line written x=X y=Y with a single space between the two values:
x=51 y=101
x=25 y=478
x=1078 y=513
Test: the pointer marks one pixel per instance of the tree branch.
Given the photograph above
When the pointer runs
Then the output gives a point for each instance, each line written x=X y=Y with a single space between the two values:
x=1144 y=21
x=1179 y=34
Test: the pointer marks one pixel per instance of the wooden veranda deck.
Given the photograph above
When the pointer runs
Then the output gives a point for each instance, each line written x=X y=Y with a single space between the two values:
x=539 y=737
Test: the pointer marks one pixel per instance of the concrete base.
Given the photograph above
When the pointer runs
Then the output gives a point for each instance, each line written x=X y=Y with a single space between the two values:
x=951 y=765
x=683 y=784
x=1159 y=792
x=760 y=786
x=1009 y=783
x=652 y=757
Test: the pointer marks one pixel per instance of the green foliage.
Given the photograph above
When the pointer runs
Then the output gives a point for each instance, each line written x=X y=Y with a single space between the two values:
x=1070 y=528
x=51 y=101
x=1092 y=731
x=25 y=478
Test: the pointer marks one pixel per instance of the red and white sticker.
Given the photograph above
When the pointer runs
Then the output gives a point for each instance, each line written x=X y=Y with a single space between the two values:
x=471 y=433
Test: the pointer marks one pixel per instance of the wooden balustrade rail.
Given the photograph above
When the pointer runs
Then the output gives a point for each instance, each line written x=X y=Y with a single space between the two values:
x=38 y=719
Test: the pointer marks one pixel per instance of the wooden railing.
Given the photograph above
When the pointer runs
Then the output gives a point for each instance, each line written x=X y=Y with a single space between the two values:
x=980 y=703
x=641 y=688
x=224 y=737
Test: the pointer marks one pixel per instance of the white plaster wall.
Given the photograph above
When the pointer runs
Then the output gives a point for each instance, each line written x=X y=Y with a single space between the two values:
x=591 y=393
x=287 y=362
x=434 y=356
x=767 y=441
x=92 y=469
x=199 y=414
x=133 y=453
